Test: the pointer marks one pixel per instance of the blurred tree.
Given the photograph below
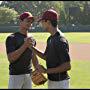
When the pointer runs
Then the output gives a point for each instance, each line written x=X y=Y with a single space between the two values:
x=7 y=15
x=77 y=11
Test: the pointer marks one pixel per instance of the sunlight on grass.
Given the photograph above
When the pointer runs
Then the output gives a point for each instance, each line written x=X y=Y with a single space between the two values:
x=78 y=37
x=72 y=37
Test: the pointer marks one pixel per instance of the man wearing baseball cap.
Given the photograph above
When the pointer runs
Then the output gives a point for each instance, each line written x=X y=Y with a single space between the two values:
x=20 y=55
x=56 y=54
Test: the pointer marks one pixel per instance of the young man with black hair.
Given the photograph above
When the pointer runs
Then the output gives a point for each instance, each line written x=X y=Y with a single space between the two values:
x=20 y=55
x=56 y=54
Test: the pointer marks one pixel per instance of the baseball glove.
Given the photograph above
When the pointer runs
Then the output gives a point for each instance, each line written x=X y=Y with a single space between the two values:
x=38 y=78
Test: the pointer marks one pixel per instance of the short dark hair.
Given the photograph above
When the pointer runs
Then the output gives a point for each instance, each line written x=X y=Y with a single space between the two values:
x=53 y=22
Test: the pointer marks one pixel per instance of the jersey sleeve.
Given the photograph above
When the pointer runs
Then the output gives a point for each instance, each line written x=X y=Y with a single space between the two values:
x=62 y=50
x=10 y=45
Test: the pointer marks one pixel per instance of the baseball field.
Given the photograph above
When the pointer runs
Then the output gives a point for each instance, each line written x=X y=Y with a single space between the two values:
x=79 y=44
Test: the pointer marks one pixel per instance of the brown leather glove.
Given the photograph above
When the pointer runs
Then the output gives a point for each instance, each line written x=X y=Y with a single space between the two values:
x=38 y=78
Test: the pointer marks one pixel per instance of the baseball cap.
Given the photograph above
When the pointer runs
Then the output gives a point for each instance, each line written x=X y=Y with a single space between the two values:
x=49 y=15
x=25 y=15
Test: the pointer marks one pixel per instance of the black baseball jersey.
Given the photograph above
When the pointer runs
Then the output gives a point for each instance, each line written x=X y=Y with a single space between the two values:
x=23 y=64
x=57 y=53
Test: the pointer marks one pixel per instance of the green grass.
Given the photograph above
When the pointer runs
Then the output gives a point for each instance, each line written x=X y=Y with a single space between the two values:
x=4 y=72
x=80 y=75
x=42 y=37
x=3 y=37
x=78 y=37
x=38 y=36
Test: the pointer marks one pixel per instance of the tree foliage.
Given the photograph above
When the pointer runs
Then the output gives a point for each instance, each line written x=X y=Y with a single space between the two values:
x=7 y=15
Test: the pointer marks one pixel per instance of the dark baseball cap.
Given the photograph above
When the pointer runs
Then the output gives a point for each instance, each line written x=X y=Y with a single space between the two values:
x=25 y=15
x=49 y=15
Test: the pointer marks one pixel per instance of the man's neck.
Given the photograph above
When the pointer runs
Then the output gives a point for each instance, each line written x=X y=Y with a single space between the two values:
x=53 y=31
x=24 y=32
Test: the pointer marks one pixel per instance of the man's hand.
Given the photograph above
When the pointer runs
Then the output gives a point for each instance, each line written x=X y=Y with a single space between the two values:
x=29 y=42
